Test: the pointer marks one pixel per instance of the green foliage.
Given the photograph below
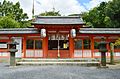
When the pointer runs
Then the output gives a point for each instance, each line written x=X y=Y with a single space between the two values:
x=9 y=9
x=50 y=13
x=113 y=11
x=117 y=42
x=97 y=16
x=11 y=15
x=24 y=24
x=8 y=22
x=105 y=15
x=74 y=15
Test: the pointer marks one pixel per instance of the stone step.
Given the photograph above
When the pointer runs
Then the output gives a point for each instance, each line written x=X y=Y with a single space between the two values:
x=68 y=61
x=60 y=63
x=59 y=60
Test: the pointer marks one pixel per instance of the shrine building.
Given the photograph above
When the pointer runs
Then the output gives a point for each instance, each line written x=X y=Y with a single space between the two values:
x=58 y=37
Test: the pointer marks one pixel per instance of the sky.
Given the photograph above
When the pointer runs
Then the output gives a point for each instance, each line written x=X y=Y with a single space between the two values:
x=65 y=7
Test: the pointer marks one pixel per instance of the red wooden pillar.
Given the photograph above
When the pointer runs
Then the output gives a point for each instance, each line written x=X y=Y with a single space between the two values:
x=45 y=47
x=108 y=48
x=71 y=47
x=92 y=46
x=24 y=47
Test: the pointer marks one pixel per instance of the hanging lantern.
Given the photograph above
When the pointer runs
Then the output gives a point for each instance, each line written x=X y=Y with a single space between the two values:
x=43 y=33
x=73 y=33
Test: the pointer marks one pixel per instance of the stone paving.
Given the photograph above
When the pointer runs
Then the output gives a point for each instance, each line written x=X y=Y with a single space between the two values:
x=57 y=72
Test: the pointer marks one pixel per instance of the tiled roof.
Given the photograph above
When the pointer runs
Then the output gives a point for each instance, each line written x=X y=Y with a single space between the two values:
x=58 y=20
x=18 y=31
x=82 y=31
x=100 y=30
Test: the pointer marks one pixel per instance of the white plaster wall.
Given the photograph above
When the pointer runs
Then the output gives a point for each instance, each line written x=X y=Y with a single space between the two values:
x=19 y=47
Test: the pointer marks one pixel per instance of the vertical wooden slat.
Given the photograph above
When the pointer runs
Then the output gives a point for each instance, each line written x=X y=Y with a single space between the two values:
x=108 y=48
x=82 y=47
x=24 y=47
x=45 y=46
x=92 y=46
x=71 y=47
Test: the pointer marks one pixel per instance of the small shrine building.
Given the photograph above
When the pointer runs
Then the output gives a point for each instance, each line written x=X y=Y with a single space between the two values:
x=58 y=37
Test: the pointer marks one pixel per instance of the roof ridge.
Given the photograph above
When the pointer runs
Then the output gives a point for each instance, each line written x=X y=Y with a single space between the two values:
x=58 y=16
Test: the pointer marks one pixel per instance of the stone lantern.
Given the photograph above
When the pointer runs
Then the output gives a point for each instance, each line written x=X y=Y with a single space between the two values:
x=103 y=50
x=12 y=49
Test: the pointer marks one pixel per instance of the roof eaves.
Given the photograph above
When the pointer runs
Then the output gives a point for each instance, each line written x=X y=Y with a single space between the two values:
x=82 y=23
x=58 y=17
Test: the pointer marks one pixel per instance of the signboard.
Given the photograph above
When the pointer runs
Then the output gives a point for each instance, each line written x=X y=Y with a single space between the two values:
x=60 y=37
x=3 y=45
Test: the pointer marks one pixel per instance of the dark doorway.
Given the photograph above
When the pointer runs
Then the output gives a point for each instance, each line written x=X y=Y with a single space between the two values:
x=53 y=45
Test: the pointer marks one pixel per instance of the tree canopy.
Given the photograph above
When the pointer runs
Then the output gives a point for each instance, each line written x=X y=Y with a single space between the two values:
x=117 y=42
x=113 y=12
x=7 y=8
x=50 y=13
x=11 y=11
x=74 y=15
x=8 y=22
x=105 y=15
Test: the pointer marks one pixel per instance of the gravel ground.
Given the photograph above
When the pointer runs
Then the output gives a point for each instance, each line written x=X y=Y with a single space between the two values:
x=56 y=72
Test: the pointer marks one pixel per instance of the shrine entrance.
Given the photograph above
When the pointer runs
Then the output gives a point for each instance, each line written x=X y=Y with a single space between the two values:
x=58 y=46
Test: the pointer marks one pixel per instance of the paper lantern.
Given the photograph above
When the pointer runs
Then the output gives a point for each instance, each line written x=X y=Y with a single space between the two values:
x=43 y=33
x=73 y=33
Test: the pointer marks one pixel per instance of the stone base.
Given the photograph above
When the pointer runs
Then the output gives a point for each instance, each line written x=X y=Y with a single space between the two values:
x=12 y=66
x=103 y=67
x=112 y=63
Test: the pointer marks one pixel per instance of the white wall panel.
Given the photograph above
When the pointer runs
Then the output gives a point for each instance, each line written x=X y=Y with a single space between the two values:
x=78 y=53
x=87 y=53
